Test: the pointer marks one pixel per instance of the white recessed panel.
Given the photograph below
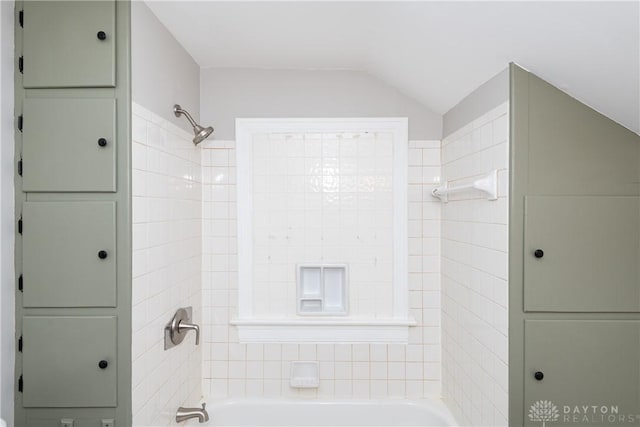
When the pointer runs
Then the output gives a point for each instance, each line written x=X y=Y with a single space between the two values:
x=310 y=282
x=335 y=295
x=322 y=290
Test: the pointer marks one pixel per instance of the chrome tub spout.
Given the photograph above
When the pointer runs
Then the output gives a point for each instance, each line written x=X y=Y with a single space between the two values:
x=185 y=414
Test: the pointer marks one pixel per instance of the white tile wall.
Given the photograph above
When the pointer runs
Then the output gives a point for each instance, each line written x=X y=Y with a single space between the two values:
x=185 y=253
x=323 y=198
x=167 y=260
x=360 y=371
x=474 y=274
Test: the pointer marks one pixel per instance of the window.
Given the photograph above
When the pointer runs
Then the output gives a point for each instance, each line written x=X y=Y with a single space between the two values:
x=317 y=199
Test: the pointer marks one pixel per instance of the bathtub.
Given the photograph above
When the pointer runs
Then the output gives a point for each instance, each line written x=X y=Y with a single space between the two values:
x=302 y=413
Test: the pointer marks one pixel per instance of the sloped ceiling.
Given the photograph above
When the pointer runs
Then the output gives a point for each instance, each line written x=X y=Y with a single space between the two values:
x=435 y=52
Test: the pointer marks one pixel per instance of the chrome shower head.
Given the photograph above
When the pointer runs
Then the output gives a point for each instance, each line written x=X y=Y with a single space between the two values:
x=201 y=133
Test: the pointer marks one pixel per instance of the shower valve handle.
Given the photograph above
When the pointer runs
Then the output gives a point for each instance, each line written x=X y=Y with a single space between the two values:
x=176 y=330
x=190 y=327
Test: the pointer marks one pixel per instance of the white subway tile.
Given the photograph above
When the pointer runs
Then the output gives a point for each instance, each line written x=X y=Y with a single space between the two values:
x=160 y=268
x=361 y=388
x=378 y=389
x=343 y=388
x=474 y=288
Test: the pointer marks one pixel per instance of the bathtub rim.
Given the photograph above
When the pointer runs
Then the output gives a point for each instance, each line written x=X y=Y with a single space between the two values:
x=435 y=405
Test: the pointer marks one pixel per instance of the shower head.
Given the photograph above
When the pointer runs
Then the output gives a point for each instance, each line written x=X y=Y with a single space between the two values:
x=201 y=133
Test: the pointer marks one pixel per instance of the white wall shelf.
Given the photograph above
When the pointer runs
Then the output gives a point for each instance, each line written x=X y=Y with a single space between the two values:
x=324 y=330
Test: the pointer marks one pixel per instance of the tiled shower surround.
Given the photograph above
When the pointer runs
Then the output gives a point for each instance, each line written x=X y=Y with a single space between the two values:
x=185 y=254
x=360 y=371
x=474 y=274
x=167 y=222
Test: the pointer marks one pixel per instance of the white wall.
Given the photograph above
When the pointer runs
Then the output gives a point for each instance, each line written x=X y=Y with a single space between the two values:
x=228 y=94
x=474 y=274
x=167 y=246
x=360 y=371
x=162 y=72
x=7 y=220
x=489 y=95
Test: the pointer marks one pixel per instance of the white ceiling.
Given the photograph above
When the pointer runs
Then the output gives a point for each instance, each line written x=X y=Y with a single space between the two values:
x=436 y=52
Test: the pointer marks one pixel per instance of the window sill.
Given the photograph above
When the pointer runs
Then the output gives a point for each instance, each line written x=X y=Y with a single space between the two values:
x=324 y=330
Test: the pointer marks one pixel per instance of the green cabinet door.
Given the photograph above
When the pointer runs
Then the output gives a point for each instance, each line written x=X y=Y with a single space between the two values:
x=69 y=44
x=69 y=257
x=584 y=364
x=69 y=361
x=69 y=145
x=590 y=254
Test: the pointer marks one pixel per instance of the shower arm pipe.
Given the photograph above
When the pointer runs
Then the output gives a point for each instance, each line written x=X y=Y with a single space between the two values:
x=200 y=132
x=178 y=111
x=487 y=184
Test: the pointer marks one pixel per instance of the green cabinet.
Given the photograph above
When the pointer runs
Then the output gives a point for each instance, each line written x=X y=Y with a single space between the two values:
x=69 y=257
x=590 y=259
x=574 y=309
x=72 y=111
x=584 y=363
x=69 y=44
x=69 y=361
x=69 y=145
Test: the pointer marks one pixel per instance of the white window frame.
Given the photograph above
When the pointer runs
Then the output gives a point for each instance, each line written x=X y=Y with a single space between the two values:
x=253 y=329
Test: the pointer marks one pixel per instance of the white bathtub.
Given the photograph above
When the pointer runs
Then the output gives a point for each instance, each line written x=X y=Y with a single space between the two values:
x=301 y=413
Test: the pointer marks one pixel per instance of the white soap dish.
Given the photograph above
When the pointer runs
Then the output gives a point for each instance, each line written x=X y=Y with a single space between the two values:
x=304 y=375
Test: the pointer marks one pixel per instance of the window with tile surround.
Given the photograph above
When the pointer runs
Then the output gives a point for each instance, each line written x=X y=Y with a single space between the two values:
x=314 y=191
